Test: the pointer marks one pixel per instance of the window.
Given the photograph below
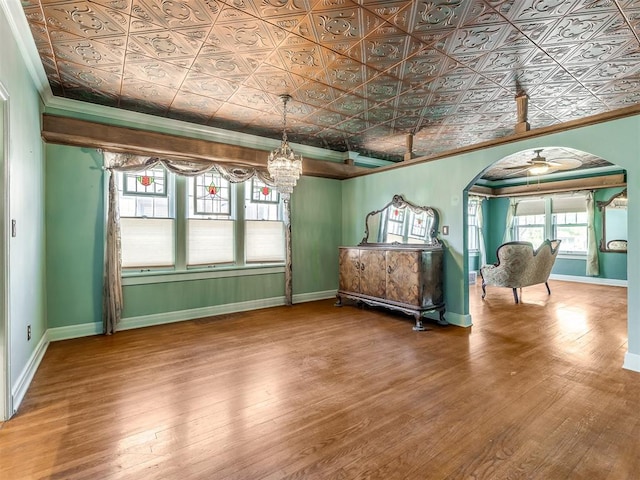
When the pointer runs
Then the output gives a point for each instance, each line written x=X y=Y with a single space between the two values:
x=472 y=223
x=530 y=222
x=569 y=220
x=175 y=222
x=146 y=219
x=210 y=226
x=418 y=227
x=395 y=225
x=530 y=228
x=560 y=217
x=264 y=229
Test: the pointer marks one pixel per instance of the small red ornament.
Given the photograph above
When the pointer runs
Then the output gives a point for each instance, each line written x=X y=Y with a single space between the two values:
x=145 y=180
x=396 y=212
x=212 y=189
x=266 y=191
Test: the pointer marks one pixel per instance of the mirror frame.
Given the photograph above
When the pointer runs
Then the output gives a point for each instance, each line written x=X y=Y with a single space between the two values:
x=602 y=205
x=399 y=201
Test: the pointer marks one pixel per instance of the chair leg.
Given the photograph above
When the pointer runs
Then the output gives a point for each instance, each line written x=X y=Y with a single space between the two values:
x=484 y=291
x=515 y=294
x=548 y=289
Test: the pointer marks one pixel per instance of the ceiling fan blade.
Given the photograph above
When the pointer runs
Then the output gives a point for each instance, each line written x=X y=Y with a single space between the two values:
x=517 y=173
x=565 y=164
x=518 y=167
x=553 y=164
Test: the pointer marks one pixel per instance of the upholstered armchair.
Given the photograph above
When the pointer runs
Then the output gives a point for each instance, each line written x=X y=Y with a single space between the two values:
x=519 y=265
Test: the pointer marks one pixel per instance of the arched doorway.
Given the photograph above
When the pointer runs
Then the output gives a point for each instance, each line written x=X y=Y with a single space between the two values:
x=547 y=182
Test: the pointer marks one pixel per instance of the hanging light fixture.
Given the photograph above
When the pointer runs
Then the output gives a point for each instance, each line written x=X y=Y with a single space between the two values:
x=284 y=166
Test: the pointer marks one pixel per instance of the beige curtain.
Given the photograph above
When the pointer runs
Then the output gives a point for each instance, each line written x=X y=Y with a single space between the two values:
x=112 y=296
x=482 y=247
x=123 y=162
x=508 y=224
x=593 y=267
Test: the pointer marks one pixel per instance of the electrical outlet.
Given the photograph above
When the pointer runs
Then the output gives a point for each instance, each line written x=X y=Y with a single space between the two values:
x=28 y=332
x=445 y=229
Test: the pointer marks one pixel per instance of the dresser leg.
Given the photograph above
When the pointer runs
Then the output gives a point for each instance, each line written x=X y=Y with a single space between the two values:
x=338 y=301
x=418 y=327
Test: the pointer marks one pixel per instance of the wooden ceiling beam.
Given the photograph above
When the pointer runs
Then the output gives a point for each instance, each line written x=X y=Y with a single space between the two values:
x=82 y=133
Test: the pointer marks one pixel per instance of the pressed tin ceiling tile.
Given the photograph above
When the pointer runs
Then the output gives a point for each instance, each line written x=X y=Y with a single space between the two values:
x=362 y=73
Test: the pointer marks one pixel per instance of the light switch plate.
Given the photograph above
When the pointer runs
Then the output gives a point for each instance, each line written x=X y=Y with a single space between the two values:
x=445 y=229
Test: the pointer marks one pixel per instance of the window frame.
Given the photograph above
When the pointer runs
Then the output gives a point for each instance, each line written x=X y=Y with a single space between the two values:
x=472 y=228
x=178 y=185
x=549 y=227
x=554 y=229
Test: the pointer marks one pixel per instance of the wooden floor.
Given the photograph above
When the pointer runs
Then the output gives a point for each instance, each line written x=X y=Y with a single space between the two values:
x=313 y=391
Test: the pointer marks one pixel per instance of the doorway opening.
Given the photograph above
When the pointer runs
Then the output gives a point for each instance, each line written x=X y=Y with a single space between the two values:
x=543 y=194
x=6 y=409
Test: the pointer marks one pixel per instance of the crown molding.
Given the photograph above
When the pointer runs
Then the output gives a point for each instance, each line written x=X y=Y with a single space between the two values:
x=23 y=38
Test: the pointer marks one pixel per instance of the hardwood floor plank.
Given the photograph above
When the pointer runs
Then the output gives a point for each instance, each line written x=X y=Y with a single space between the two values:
x=534 y=390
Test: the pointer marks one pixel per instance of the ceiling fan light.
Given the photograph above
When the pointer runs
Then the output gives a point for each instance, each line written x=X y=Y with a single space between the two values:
x=539 y=169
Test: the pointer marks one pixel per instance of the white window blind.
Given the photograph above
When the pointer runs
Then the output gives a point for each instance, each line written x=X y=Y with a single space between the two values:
x=209 y=241
x=264 y=241
x=567 y=204
x=147 y=242
x=534 y=206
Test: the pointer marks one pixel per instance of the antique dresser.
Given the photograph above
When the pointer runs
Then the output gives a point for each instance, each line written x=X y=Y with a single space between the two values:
x=398 y=264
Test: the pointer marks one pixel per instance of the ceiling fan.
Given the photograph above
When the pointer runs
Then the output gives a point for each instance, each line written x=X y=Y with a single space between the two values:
x=539 y=165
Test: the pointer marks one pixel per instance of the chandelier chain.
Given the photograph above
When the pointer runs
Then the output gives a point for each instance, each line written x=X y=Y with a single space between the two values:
x=284 y=166
x=285 y=99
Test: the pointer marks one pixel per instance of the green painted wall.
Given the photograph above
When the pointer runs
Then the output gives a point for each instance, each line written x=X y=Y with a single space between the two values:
x=75 y=235
x=75 y=246
x=25 y=159
x=175 y=296
x=316 y=212
x=496 y=215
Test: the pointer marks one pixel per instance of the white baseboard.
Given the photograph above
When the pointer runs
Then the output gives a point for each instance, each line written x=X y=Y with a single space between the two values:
x=452 y=318
x=88 y=329
x=314 y=296
x=458 y=319
x=19 y=390
x=181 y=315
x=612 y=282
x=74 y=331
x=631 y=362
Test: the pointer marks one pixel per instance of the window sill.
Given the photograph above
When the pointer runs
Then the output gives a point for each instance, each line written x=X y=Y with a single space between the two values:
x=144 y=278
x=572 y=256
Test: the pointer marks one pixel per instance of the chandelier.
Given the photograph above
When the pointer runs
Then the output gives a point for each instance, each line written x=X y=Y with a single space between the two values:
x=284 y=166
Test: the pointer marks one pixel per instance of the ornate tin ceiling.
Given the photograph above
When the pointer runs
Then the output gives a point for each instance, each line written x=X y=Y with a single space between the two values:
x=362 y=74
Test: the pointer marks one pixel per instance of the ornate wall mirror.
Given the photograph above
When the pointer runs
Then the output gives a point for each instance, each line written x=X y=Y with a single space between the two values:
x=400 y=222
x=614 y=223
